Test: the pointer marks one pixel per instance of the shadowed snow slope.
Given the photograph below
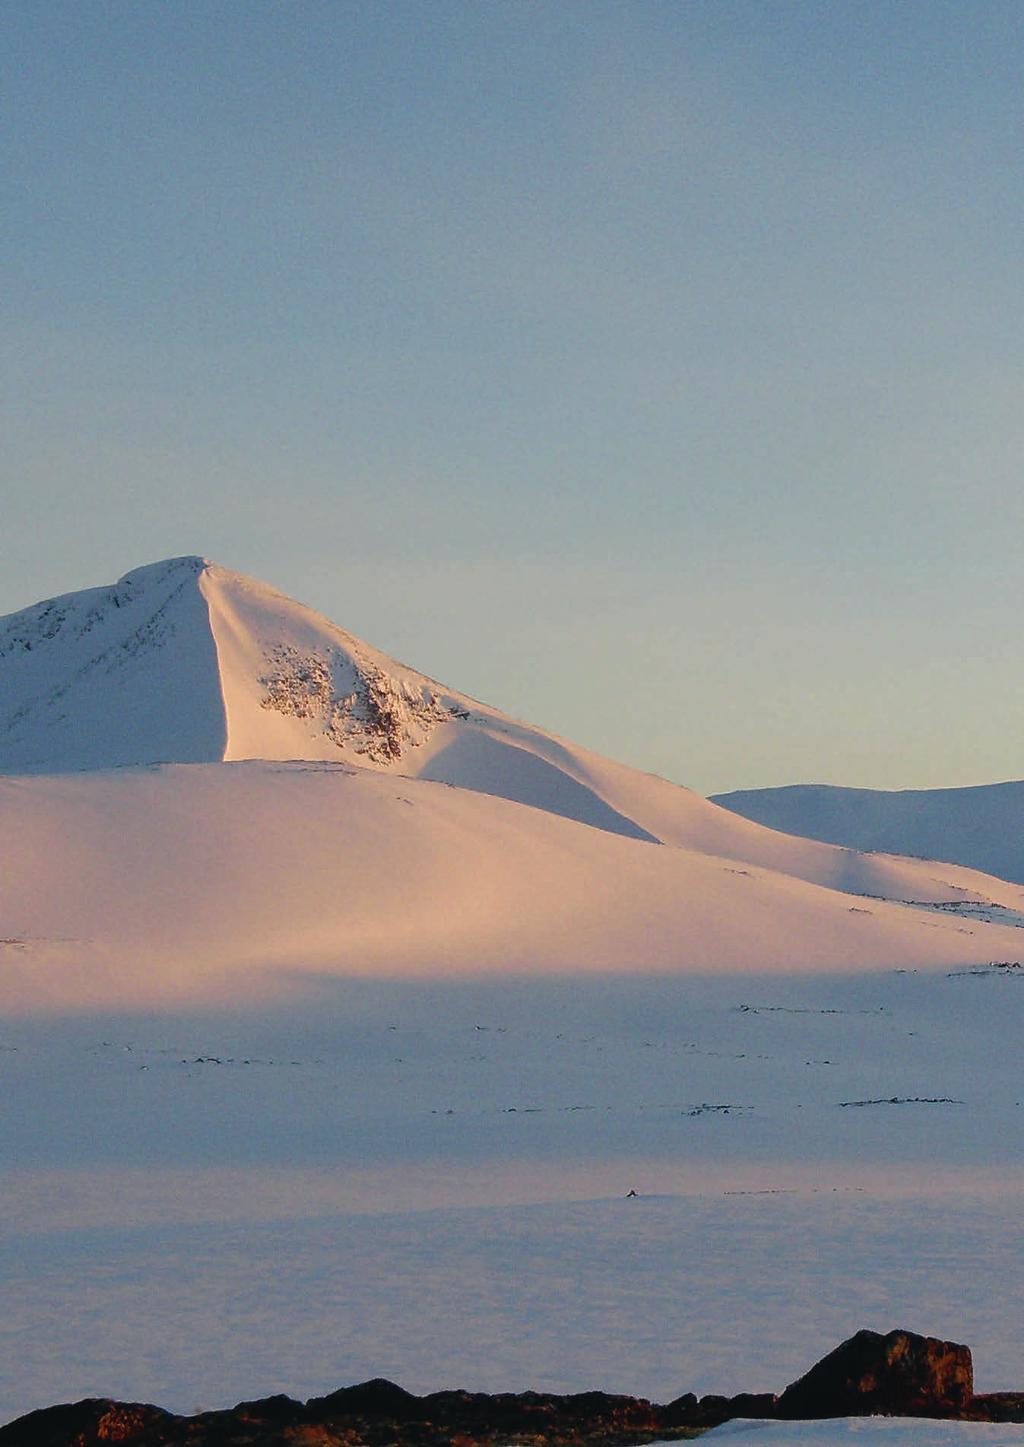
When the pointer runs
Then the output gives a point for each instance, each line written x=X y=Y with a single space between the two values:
x=186 y=662
x=200 y=881
x=982 y=826
x=108 y=676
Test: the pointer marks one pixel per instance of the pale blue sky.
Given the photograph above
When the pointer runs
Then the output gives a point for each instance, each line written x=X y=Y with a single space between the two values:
x=651 y=370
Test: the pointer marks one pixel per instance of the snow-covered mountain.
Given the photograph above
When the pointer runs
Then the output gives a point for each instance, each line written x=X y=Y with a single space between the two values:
x=309 y=828
x=980 y=826
x=186 y=662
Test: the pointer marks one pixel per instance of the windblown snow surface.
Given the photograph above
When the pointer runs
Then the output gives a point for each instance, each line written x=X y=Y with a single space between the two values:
x=193 y=882
x=864 y=1431
x=981 y=826
x=340 y=1012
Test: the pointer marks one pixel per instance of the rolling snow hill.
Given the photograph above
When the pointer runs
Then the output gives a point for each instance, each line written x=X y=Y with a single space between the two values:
x=981 y=826
x=174 y=882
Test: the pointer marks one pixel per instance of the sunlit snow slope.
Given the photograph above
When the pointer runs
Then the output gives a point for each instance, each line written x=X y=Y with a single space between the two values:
x=184 y=661
x=180 y=882
x=981 y=826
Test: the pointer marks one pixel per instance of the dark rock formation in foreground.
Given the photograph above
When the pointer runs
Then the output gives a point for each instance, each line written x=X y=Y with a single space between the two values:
x=900 y=1374
x=896 y=1375
x=373 y=1414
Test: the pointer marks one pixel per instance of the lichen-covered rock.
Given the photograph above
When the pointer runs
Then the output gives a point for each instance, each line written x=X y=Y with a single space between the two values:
x=900 y=1374
x=372 y=1414
x=997 y=1407
x=89 y=1423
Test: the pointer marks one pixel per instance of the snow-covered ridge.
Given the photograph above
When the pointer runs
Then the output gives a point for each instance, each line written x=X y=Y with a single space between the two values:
x=295 y=685
x=863 y=1431
x=71 y=617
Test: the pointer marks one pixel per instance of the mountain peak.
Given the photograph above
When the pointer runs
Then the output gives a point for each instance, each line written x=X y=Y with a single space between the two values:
x=185 y=661
x=154 y=574
x=187 y=562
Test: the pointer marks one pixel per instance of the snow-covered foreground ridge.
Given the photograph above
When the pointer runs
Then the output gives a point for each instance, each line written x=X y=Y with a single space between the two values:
x=865 y=1432
x=122 y=880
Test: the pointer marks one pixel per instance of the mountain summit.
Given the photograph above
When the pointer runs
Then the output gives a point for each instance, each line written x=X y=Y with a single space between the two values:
x=185 y=662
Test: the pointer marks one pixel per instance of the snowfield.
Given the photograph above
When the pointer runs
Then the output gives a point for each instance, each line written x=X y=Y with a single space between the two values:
x=169 y=884
x=340 y=1013
x=203 y=1206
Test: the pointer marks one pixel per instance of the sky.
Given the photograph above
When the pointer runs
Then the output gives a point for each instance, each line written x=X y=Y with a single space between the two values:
x=652 y=371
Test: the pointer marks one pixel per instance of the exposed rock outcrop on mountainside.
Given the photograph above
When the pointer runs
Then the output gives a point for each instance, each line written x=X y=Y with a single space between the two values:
x=900 y=1374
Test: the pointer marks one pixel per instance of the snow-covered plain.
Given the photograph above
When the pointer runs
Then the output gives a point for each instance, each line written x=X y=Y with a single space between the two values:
x=428 y=1181
x=340 y=1012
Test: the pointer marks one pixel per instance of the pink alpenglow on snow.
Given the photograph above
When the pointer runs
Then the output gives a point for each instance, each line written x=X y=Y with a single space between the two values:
x=299 y=822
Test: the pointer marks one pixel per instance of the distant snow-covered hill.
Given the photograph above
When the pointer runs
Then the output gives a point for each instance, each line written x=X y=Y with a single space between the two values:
x=980 y=826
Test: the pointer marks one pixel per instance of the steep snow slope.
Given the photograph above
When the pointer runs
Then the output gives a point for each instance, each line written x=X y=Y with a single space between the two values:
x=190 y=882
x=109 y=676
x=184 y=661
x=982 y=826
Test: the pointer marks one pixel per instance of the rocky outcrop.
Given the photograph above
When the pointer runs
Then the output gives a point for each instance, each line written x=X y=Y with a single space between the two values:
x=372 y=1414
x=90 y=1423
x=711 y=1411
x=996 y=1407
x=900 y=1374
x=352 y=702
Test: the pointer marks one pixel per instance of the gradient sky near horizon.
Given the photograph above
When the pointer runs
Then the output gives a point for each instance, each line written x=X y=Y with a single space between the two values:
x=650 y=370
